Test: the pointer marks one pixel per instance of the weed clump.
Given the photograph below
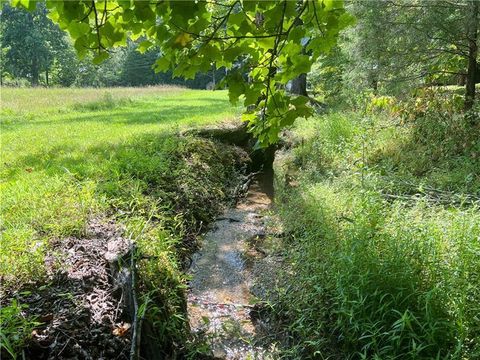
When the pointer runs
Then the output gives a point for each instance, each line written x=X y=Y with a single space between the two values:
x=15 y=328
x=107 y=101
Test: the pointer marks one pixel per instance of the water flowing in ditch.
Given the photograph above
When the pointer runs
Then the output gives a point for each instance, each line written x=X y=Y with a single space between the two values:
x=219 y=300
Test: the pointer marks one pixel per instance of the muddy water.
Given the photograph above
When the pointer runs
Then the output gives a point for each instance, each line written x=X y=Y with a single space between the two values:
x=219 y=299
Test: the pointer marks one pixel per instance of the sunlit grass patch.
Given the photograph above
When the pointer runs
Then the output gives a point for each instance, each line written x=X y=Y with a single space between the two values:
x=51 y=100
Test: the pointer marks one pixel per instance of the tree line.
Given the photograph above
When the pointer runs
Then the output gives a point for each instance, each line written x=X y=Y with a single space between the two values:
x=36 y=52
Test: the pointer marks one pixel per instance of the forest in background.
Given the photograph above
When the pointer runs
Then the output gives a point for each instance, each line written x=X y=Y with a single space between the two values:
x=36 y=52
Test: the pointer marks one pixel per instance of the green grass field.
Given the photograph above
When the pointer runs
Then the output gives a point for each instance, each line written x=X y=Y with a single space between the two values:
x=72 y=154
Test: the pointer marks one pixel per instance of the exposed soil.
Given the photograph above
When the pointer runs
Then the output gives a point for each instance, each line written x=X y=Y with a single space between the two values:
x=81 y=307
x=220 y=301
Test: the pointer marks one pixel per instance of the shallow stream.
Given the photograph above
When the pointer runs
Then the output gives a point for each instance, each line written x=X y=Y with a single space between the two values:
x=220 y=299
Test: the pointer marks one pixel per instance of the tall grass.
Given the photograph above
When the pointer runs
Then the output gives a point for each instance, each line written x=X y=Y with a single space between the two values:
x=380 y=270
x=52 y=100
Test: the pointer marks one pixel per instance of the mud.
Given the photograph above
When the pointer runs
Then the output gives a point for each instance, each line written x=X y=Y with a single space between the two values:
x=220 y=301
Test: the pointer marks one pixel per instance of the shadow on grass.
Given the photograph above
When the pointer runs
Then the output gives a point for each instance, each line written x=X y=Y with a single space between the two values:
x=131 y=113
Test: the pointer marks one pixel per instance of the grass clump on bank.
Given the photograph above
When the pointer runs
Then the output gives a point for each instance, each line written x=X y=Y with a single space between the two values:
x=384 y=252
x=124 y=161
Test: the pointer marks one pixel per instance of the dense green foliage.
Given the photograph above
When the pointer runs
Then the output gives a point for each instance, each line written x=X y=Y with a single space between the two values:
x=396 y=47
x=36 y=51
x=15 y=328
x=137 y=70
x=384 y=222
x=32 y=44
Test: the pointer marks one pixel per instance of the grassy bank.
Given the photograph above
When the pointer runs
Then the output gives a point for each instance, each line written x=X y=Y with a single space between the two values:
x=76 y=154
x=384 y=249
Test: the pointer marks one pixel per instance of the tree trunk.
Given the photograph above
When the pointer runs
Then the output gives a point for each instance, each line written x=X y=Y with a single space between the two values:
x=46 y=76
x=213 y=76
x=472 y=33
x=35 y=72
x=374 y=84
x=299 y=85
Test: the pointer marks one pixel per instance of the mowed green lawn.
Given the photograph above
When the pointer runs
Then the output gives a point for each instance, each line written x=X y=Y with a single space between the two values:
x=70 y=154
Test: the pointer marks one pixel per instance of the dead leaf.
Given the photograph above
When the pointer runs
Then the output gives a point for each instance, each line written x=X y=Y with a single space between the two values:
x=122 y=329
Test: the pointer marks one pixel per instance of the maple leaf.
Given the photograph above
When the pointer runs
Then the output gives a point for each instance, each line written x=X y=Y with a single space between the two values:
x=183 y=39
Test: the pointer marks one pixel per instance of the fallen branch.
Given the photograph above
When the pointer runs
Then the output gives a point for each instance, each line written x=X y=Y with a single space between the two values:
x=242 y=188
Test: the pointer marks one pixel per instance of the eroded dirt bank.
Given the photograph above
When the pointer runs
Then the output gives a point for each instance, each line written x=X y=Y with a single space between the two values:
x=220 y=300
